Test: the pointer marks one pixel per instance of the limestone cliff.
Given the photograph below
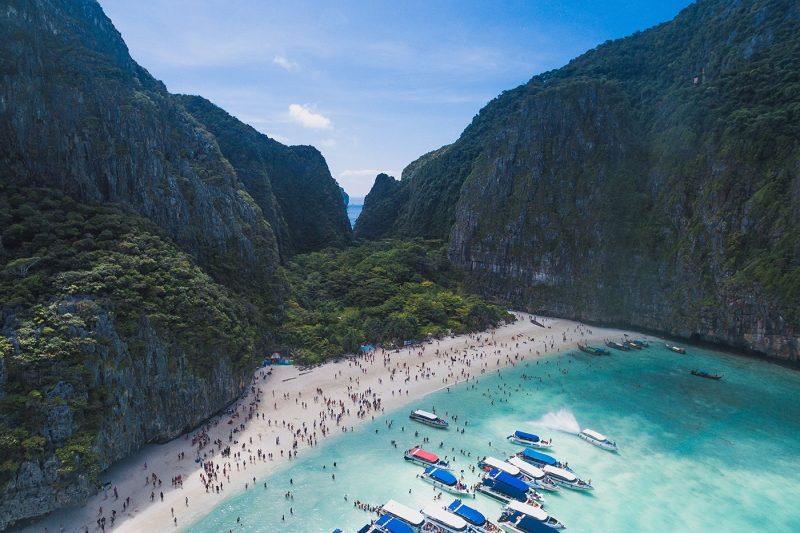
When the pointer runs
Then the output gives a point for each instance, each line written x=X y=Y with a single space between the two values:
x=652 y=182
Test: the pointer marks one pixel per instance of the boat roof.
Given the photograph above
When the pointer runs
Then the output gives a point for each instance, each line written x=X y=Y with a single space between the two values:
x=536 y=512
x=443 y=476
x=393 y=524
x=517 y=487
x=595 y=435
x=436 y=513
x=402 y=512
x=425 y=414
x=526 y=435
x=560 y=472
x=422 y=454
x=501 y=465
x=530 y=525
x=527 y=468
x=473 y=516
x=540 y=457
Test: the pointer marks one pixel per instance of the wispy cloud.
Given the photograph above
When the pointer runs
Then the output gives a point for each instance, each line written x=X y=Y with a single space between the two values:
x=327 y=143
x=308 y=118
x=285 y=63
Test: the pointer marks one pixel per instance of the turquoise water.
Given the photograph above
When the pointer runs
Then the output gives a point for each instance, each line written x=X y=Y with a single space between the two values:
x=695 y=454
x=354 y=209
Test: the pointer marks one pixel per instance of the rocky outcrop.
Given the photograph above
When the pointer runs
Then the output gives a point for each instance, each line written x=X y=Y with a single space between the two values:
x=651 y=183
x=384 y=199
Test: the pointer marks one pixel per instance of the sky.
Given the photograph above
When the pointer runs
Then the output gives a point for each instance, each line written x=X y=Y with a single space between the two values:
x=373 y=85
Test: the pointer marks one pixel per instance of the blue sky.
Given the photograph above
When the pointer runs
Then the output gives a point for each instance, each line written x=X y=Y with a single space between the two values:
x=373 y=85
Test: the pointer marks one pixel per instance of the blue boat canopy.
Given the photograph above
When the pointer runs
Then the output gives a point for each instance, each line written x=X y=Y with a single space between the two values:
x=527 y=436
x=393 y=525
x=511 y=481
x=539 y=457
x=531 y=525
x=442 y=476
x=507 y=484
x=473 y=516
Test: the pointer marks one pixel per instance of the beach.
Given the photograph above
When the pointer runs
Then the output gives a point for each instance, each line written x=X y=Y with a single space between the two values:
x=286 y=411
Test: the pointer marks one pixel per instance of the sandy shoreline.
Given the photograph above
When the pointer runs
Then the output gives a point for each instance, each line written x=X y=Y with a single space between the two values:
x=291 y=397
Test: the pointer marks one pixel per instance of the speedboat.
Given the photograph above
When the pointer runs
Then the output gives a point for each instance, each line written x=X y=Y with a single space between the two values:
x=488 y=463
x=446 y=481
x=529 y=439
x=513 y=509
x=598 y=439
x=676 y=349
x=405 y=514
x=567 y=479
x=476 y=520
x=539 y=459
x=429 y=419
x=420 y=457
x=440 y=520
x=387 y=524
x=533 y=475
x=504 y=488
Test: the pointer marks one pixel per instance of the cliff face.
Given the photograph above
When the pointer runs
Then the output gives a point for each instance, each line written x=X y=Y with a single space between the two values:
x=287 y=182
x=652 y=182
x=384 y=199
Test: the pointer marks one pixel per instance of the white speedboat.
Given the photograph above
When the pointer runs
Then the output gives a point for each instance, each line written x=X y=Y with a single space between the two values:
x=387 y=523
x=533 y=475
x=439 y=520
x=529 y=439
x=478 y=523
x=420 y=457
x=598 y=439
x=405 y=514
x=446 y=481
x=504 y=487
x=514 y=509
x=567 y=479
x=429 y=419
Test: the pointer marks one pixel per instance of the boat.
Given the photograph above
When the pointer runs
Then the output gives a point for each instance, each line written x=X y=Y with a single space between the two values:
x=641 y=343
x=567 y=479
x=539 y=459
x=440 y=520
x=592 y=350
x=446 y=481
x=429 y=419
x=387 y=524
x=405 y=514
x=504 y=487
x=631 y=344
x=529 y=439
x=526 y=524
x=420 y=457
x=513 y=509
x=617 y=346
x=701 y=374
x=676 y=349
x=478 y=523
x=533 y=475
x=489 y=463
x=598 y=439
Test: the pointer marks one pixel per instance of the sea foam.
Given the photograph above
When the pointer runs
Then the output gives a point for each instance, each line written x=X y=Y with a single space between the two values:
x=561 y=420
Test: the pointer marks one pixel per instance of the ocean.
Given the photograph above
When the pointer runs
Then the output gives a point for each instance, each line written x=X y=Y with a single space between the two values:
x=694 y=454
x=354 y=209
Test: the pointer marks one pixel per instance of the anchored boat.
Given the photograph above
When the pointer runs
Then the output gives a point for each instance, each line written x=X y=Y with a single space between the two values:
x=444 y=480
x=676 y=349
x=405 y=514
x=617 y=346
x=476 y=520
x=538 y=458
x=533 y=475
x=567 y=479
x=504 y=487
x=529 y=439
x=592 y=350
x=387 y=524
x=439 y=520
x=429 y=419
x=420 y=457
x=701 y=374
x=514 y=509
x=598 y=439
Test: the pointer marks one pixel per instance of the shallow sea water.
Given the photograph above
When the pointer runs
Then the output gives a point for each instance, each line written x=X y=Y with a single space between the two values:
x=695 y=454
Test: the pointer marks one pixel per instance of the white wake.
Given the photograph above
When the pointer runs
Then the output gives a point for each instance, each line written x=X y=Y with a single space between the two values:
x=561 y=420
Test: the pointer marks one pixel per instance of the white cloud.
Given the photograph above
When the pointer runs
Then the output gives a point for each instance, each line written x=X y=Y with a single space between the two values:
x=305 y=116
x=285 y=63
x=327 y=143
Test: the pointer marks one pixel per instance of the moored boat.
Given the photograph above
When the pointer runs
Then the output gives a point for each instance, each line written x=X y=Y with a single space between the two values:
x=617 y=346
x=598 y=439
x=631 y=344
x=445 y=481
x=676 y=349
x=420 y=457
x=702 y=374
x=504 y=487
x=513 y=509
x=529 y=439
x=405 y=514
x=440 y=520
x=476 y=520
x=641 y=343
x=533 y=475
x=429 y=419
x=593 y=350
x=539 y=459
x=567 y=479
x=387 y=524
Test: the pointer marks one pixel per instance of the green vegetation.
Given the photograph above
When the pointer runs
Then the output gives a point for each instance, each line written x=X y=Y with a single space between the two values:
x=379 y=292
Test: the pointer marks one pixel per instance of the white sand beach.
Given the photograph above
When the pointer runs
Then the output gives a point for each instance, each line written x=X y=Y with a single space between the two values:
x=358 y=388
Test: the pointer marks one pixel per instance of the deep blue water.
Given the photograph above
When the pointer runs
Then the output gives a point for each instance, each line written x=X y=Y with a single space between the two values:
x=695 y=454
x=354 y=209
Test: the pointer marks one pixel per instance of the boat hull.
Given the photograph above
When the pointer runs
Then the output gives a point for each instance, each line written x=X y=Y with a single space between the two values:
x=425 y=464
x=523 y=442
x=599 y=444
x=571 y=486
x=447 y=488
